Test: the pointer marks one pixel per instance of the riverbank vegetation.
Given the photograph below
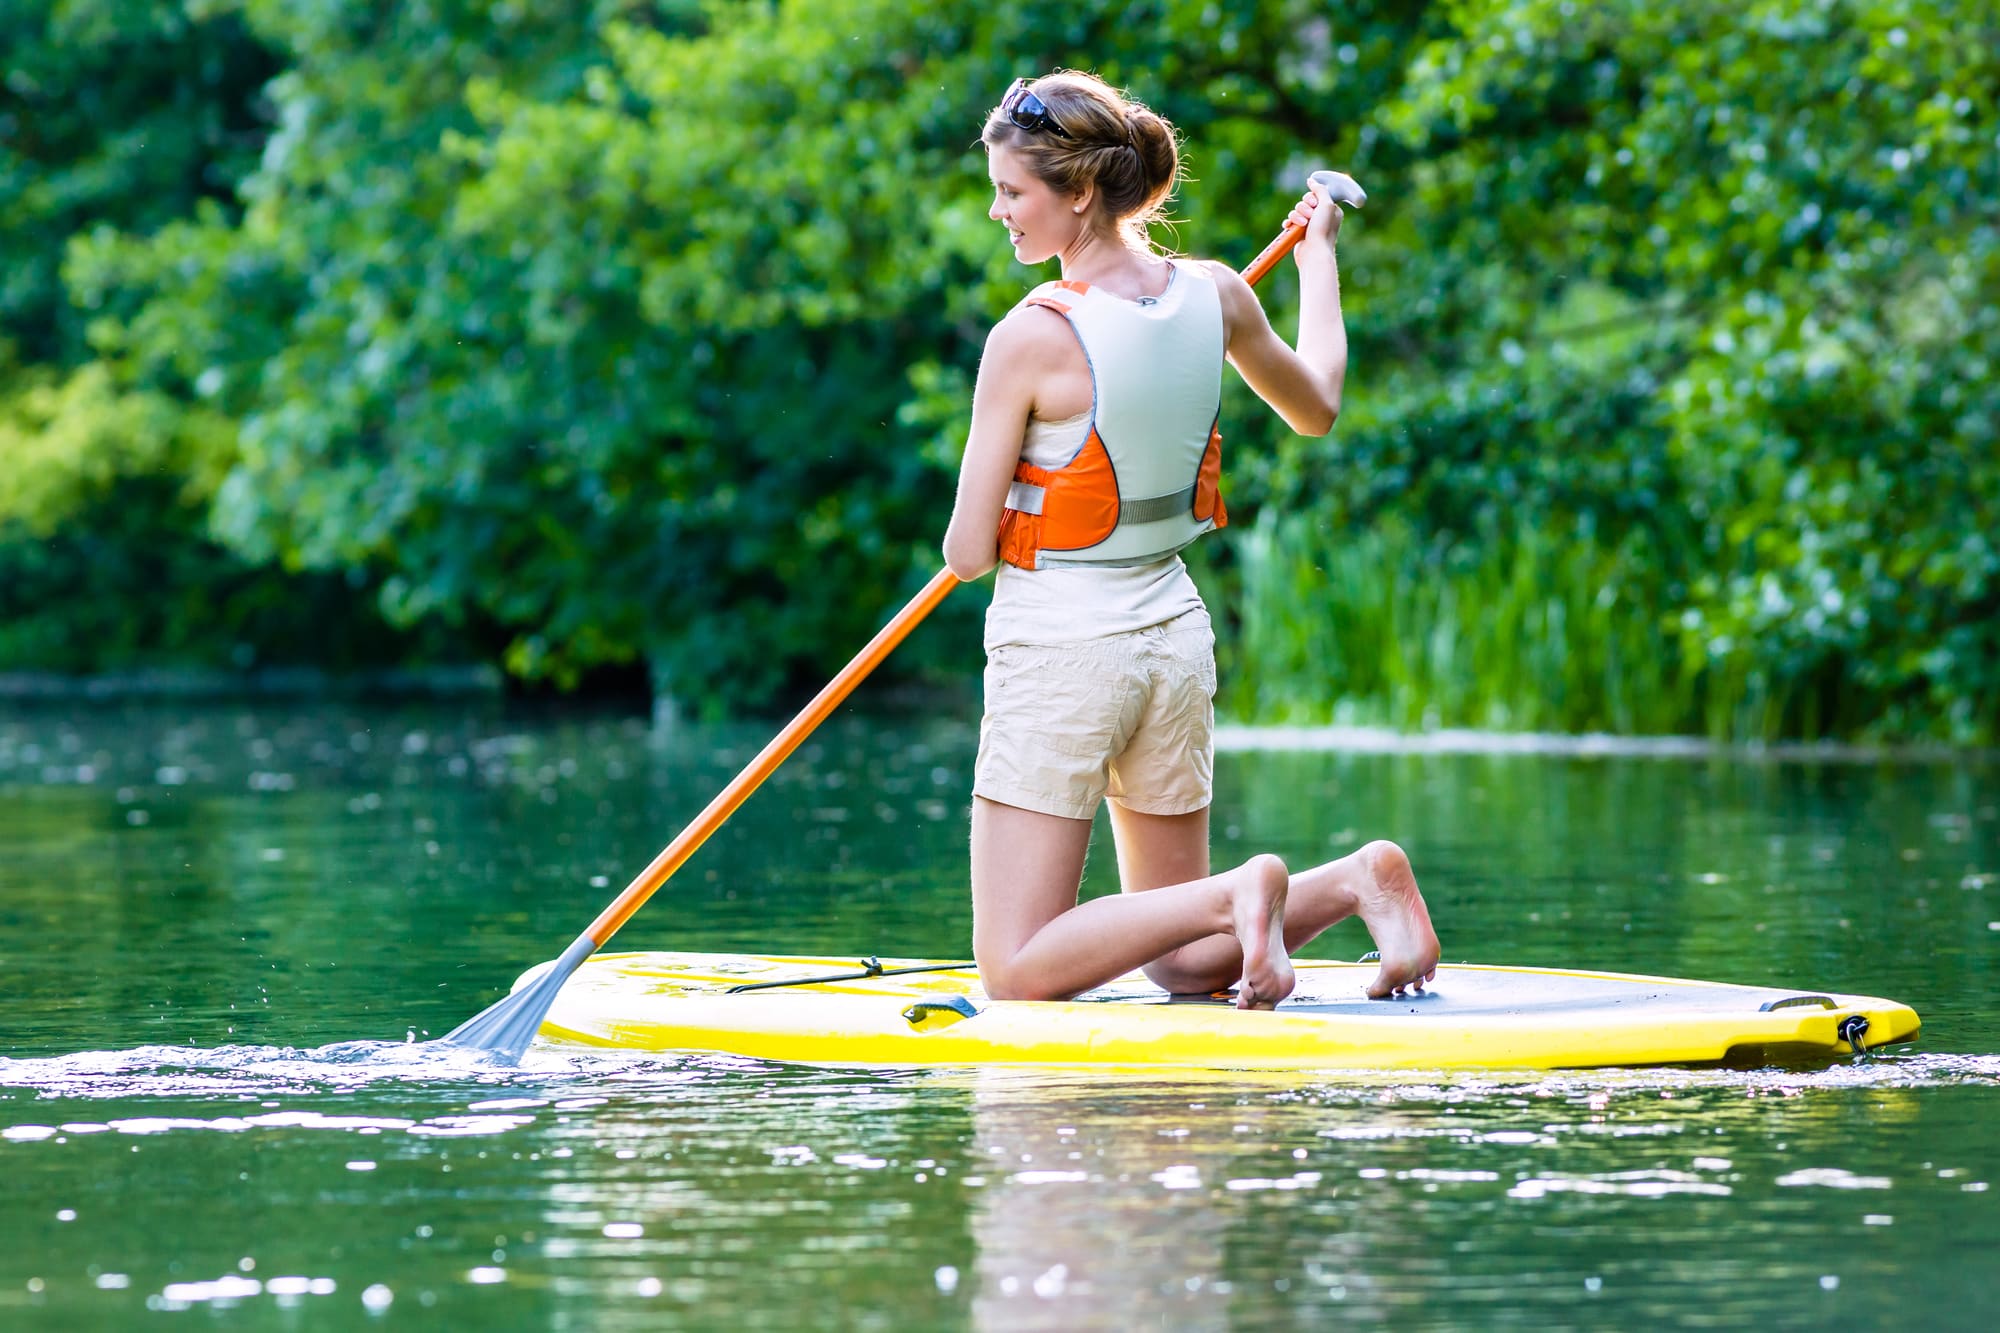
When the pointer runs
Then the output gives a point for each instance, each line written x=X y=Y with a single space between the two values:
x=639 y=336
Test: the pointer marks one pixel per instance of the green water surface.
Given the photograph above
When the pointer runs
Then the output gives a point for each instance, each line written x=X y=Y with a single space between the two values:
x=214 y=923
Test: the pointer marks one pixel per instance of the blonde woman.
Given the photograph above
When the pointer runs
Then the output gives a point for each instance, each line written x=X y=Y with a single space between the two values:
x=1093 y=459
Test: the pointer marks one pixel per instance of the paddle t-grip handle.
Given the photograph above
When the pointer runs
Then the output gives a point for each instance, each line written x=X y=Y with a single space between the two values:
x=1340 y=187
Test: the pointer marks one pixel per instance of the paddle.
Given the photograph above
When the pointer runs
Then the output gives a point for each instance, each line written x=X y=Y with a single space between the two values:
x=505 y=1028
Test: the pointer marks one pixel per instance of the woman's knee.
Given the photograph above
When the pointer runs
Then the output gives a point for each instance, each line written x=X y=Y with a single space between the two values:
x=1007 y=985
x=1002 y=978
x=1177 y=977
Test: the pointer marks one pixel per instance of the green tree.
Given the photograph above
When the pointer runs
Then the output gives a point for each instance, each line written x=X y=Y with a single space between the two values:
x=114 y=115
x=120 y=120
x=645 y=331
x=1751 y=250
x=642 y=331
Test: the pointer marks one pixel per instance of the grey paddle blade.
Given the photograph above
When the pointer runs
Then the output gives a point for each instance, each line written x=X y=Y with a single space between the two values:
x=1340 y=187
x=505 y=1029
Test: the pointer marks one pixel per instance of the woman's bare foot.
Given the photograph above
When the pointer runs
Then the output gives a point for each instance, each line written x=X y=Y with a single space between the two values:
x=1394 y=912
x=1257 y=914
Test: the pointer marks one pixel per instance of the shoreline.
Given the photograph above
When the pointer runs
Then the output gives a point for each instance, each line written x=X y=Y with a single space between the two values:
x=486 y=682
x=1241 y=737
x=155 y=684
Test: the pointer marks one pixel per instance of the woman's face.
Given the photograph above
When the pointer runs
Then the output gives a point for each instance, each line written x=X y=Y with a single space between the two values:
x=1040 y=222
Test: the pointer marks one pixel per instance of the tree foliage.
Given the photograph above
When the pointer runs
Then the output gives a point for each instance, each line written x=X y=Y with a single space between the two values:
x=645 y=331
x=1719 y=280
x=122 y=122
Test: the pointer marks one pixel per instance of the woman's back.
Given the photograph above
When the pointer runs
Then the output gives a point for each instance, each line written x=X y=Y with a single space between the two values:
x=1154 y=365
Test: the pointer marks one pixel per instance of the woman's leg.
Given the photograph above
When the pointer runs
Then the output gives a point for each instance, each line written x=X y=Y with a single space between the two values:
x=1374 y=883
x=1033 y=941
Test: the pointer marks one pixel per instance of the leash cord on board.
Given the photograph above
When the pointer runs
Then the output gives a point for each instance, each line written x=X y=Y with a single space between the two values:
x=870 y=967
x=1854 y=1031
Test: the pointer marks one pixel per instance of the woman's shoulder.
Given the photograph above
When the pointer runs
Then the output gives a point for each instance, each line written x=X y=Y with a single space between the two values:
x=1226 y=279
x=1232 y=292
x=1027 y=329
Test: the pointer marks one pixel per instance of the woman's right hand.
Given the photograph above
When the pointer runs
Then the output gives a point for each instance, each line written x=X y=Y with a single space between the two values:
x=1320 y=216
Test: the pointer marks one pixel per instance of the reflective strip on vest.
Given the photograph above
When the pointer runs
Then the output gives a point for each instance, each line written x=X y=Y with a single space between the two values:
x=1156 y=507
x=1027 y=497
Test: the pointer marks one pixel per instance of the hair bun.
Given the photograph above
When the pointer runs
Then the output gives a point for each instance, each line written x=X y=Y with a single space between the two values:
x=1159 y=155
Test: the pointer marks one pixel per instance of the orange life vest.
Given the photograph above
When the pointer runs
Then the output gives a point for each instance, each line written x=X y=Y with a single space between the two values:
x=1146 y=481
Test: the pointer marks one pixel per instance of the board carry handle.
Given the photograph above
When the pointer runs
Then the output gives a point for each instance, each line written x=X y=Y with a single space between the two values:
x=918 y=1014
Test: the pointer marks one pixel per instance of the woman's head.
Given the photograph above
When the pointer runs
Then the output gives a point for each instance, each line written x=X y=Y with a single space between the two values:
x=1112 y=159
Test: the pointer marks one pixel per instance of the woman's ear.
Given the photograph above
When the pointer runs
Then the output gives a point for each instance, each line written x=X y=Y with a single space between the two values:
x=1080 y=201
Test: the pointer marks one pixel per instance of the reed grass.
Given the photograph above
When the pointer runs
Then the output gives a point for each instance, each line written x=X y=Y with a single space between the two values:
x=1527 y=629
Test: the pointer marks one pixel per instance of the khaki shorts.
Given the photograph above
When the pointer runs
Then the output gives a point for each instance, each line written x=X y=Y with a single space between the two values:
x=1129 y=716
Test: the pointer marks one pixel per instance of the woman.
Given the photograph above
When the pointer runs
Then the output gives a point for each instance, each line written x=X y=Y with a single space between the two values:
x=1092 y=460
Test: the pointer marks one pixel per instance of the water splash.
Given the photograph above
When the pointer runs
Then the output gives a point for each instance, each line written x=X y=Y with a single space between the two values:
x=1457 y=1087
x=181 y=1071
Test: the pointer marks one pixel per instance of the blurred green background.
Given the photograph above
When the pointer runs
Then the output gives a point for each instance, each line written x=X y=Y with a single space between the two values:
x=630 y=344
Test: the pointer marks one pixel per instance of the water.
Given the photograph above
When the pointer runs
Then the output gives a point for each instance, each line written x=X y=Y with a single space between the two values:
x=222 y=928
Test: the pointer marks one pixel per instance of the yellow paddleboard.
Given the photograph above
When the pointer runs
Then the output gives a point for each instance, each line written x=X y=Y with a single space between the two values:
x=913 y=1013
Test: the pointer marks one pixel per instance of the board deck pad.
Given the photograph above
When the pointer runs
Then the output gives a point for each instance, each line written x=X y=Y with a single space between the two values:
x=915 y=1013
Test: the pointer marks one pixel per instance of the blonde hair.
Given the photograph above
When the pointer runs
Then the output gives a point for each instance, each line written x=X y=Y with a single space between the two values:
x=1120 y=148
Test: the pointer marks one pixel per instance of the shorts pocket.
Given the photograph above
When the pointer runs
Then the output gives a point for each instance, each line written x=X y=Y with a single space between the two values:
x=1191 y=646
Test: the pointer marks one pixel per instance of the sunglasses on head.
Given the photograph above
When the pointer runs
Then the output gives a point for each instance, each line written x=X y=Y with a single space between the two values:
x=1025 y=111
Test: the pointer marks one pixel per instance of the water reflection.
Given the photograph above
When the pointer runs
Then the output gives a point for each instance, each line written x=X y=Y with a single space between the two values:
x=1208 y=1204
x=604 y=1190
x=1096 y=1215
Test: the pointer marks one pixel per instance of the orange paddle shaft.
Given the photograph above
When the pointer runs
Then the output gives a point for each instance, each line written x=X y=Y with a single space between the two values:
x=768 y=759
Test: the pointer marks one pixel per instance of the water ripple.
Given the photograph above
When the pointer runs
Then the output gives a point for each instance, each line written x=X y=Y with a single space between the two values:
x=178 y=1071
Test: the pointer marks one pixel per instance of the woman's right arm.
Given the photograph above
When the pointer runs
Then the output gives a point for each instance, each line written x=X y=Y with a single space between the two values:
x=1302 y=386
x=1001 y=402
